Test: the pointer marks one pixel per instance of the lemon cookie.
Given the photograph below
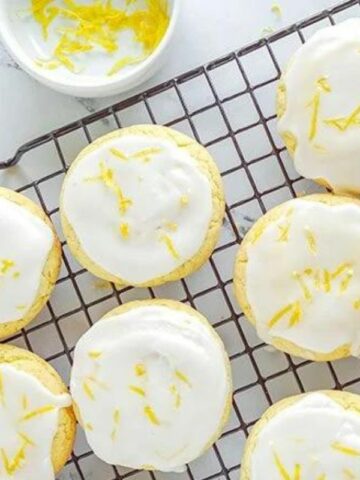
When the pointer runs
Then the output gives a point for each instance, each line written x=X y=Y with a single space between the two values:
x=30 y=257
x=297 y=277
x=152 y=385
x=314 y=436
x=319 y=107
x=36 y=418
x=142 y=206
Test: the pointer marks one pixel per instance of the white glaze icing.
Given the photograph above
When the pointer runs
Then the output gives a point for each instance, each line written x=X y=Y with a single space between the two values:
x=315 y=434
x=329 y=319
x=181 y=369
x=332 y=54
x=29 y=420
x=25 y=243
x=155 y=187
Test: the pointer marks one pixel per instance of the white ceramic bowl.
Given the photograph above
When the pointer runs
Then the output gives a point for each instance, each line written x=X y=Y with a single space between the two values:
x=23 y=41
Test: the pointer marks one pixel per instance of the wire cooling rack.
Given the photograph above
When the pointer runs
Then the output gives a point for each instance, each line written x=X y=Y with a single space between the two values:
x=228 y=106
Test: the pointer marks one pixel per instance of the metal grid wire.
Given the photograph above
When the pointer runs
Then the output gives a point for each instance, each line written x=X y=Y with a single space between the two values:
x=228 y=106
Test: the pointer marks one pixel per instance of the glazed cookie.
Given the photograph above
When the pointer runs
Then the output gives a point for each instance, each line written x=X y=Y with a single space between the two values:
x=142 y=206
x=36 y=418
x=297 y=277
x=312 y=436
x=319 y=110
x=143 y=378
x=30 y=258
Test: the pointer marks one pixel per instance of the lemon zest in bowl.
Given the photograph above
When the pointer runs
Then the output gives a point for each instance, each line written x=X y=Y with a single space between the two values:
x=97 y=25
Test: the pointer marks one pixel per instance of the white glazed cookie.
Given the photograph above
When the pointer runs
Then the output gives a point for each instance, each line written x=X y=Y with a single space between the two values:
x=142 y=206
x=30 y=258
x=319 y=107
x=36 y=418
x=152 y=385
x=297 y=277
x=309 y=437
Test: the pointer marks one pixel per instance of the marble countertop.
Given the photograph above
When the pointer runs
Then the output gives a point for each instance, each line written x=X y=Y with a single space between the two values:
x=28 y=109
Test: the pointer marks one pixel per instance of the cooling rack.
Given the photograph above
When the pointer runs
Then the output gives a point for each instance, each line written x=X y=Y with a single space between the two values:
x=228 y=106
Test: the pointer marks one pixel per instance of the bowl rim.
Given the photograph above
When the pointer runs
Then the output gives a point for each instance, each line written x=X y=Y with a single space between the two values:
x=94 y=83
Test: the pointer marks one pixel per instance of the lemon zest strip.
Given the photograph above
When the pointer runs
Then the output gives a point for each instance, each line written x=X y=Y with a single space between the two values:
x=137 y=390
x=38 y=412
x=346 y=450
x=150 y=415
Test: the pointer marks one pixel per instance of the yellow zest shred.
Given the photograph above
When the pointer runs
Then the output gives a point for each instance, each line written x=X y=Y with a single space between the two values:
x=297 y=472
x=315 y=105
x=140 y=369
x=13 y=465
x=184 y=200
x=276 y=9
x=21 y=307
x=343 y=123
x=118 y=153
x=124 y=62
x=113 y=434
x=326 y=280
x=88 y=391
x=281 y=468
x=89 y=426
x=284 y=232
x=97 y=25
x=182 y=377
x=323 y=83
x=175 y=393
x=44 y=13
x=320 y=148
x=16 y=275
x=340 y=270
x=26 y=439
x=290 y=141
x=6 y=265
x=146 y=153
x=167 y=240
x=138 y=390
x=38 y=412
x=172 y=226
x=258 y=232
x=311 y=240
x=321 y=477
x=124 y=230
x=356 y=304
x=95 y=354
x=349 y=474
x=151 y=415
x=96 y=381
x=346 y=450
x=345 y=281
x=293 y=309
x=116 y=416
x=303 y=286
x=108 y=178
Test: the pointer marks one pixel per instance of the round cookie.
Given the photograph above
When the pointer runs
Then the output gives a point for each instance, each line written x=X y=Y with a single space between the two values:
x=142 y=206
x=318 y=107
x=30 y=258
x=297 y=277
x=310 y=436
x=37 y=421
x=172 y=373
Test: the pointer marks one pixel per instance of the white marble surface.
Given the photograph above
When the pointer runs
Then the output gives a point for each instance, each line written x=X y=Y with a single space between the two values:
x=206 y=30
